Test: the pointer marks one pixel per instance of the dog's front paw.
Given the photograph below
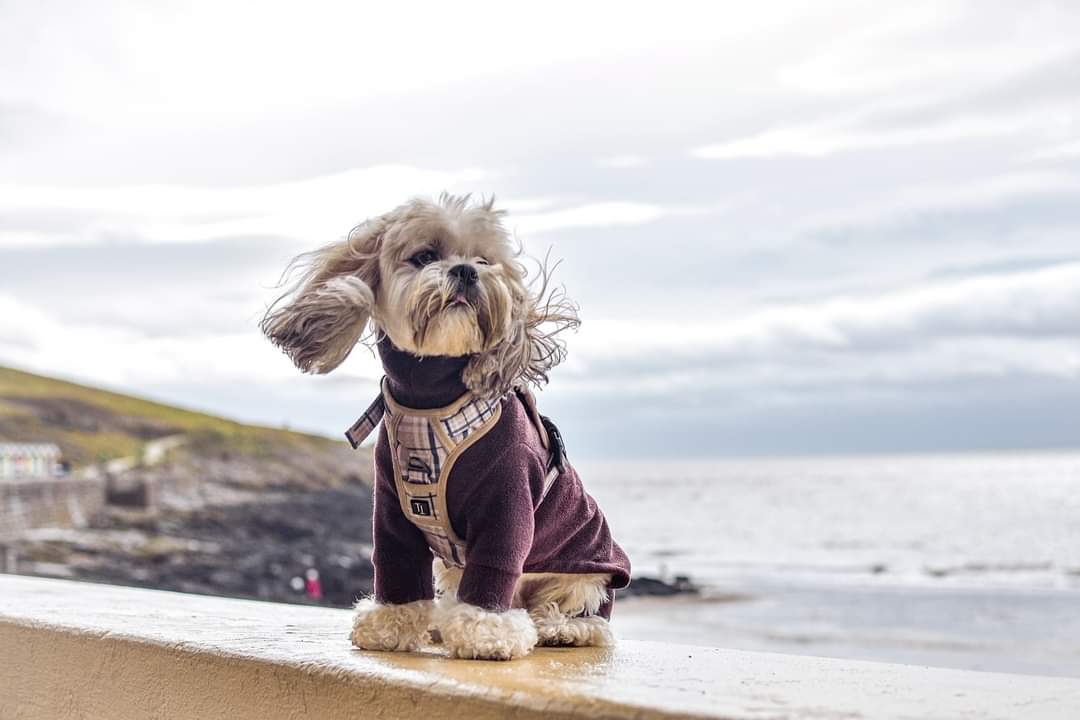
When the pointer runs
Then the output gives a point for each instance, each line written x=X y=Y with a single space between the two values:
x=391 y=627
x=472 y=632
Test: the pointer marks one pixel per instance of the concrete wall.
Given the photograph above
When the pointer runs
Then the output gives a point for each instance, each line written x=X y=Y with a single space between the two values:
x=78 y=650
x=64 y=502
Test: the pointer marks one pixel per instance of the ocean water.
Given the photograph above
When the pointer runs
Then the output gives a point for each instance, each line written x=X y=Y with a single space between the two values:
x=980 y=520
x=964 y=561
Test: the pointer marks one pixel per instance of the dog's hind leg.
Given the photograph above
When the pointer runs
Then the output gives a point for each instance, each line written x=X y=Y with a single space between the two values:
x=567 y=609
x=556 y=628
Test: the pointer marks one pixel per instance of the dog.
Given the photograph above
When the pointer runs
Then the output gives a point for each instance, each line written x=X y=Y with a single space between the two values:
x=484 y=537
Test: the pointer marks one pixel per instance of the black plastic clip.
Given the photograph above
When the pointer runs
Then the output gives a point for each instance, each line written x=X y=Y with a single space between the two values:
x=558 y=446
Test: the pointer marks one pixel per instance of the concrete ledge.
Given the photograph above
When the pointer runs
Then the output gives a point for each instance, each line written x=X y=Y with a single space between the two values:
x=78 y=650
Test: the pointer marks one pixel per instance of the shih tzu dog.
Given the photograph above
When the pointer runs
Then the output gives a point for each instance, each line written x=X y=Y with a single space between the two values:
x=484 y=537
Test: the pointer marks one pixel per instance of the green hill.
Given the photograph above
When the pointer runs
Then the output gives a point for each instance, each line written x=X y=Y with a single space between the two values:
x=226 y=509
x=93 y=425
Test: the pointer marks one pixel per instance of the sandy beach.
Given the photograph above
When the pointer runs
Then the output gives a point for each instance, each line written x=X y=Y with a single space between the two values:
x=1002 y=630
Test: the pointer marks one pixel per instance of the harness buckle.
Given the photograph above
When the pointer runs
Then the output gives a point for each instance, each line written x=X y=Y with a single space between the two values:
x=557 y=450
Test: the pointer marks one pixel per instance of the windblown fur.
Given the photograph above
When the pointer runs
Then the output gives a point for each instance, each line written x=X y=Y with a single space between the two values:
x=372 y=280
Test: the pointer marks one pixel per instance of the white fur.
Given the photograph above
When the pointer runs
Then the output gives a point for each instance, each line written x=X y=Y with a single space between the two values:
x=557 y=628
x=447 y=578
x=548 y=609
x=572 y=594
x=471 y=632
x=391 y=627
x=563 y=606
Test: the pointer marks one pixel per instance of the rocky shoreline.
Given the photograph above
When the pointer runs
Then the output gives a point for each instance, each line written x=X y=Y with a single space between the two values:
x=261 y=549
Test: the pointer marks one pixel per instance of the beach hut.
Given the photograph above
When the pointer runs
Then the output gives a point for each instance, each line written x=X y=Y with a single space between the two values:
x=28 y=460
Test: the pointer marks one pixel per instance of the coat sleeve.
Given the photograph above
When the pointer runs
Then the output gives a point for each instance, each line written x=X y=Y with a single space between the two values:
x=400 y=554
x=500 y=511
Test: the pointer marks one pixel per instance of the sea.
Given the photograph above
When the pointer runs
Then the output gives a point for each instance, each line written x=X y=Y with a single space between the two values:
x=968 y=561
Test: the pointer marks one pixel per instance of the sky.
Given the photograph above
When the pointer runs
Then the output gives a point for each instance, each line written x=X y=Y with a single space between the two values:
x=791 y=227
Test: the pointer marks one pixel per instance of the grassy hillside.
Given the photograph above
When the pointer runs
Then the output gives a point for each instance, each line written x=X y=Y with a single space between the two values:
x=236 y=509
x=92 y=425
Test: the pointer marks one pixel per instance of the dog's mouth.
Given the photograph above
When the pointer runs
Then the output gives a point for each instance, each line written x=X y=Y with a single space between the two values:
x=464 y=298
x=461 y=306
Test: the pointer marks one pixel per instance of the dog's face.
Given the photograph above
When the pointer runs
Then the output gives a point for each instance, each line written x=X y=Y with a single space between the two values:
x=448 y=284
x=438 y=278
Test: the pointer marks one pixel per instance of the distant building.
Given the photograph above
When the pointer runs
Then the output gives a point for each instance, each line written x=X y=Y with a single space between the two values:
x=28 y=460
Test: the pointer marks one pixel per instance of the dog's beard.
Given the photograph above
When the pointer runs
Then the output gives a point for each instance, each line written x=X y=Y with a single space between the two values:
x=446 y=319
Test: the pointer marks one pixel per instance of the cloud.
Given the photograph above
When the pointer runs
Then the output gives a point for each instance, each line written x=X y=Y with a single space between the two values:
x=22 y=121
x=127 y=357
x=319 y=208
x=1025 y=322
x=22 y=327
x=153 y=289
x=617 y=214
x=591 y=215
x=338 y=51
x=1058 y=152
x=623 y=162
x=974 y=194
x=1015 y=411
x=1027 y=98
x=939 y=45
x=910 y=243
x=852 y=134
x=315 y=209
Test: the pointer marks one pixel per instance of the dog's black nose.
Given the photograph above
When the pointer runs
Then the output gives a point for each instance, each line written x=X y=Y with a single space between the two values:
x=465 y=273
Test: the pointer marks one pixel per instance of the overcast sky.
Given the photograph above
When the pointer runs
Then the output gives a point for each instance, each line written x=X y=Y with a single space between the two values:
x=816 y=227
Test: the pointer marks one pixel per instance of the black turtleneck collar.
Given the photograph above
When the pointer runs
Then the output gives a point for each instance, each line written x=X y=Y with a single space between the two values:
x=422 y=383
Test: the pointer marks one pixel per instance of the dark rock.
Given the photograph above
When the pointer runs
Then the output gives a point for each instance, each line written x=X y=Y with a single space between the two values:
x=648 y=586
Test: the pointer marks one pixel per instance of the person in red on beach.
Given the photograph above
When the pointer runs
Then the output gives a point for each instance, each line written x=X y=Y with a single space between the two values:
x=312 y=584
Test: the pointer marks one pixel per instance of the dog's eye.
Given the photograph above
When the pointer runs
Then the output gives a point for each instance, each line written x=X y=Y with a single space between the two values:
x=481 y=261
x=424 y=257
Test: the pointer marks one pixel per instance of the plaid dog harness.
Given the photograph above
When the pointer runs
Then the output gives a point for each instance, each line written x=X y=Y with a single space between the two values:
x=425 y=444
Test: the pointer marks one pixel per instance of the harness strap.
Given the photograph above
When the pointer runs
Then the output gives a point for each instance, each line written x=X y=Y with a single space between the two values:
x=367 y=422
x=550 y=437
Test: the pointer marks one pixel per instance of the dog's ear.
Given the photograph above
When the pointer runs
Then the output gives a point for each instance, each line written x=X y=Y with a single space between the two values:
x=322 y=316
x=532 y=346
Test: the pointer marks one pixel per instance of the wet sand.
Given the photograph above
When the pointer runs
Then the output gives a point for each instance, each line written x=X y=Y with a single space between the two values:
x=1017 y=631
